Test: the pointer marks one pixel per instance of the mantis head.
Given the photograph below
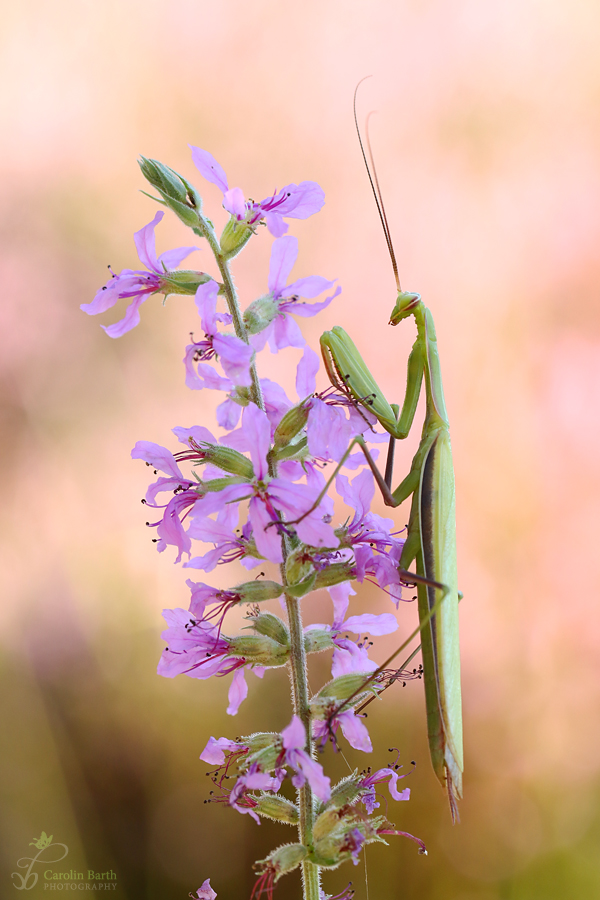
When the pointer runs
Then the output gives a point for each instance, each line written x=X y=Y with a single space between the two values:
x=405 y=306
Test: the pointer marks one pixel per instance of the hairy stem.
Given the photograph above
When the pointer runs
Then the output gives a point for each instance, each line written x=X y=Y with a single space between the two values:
x=299 y=679
x=205 y=230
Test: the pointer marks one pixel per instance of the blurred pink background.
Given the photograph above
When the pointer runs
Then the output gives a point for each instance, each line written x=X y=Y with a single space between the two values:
x=487 y=141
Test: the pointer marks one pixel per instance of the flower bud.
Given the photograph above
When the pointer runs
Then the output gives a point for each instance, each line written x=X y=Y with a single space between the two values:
x=272 y=806
x=336 y=573
x=183 y=281
x=340 y=689
x=228 y=459
x=343 y=836
x=260 y=314
x=346 y=792
x=298 y=565
x=258 y=649
x=234 y=238
x=285 y=859
x=257 y=591
x=302 y=587
x=218 y=484
x=292 y=424
x=272 y=627
x=317 y=640
x=264 y=749
x=177 y=193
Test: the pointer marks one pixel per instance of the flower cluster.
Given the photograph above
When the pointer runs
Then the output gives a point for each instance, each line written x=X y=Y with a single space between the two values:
x=256 y=494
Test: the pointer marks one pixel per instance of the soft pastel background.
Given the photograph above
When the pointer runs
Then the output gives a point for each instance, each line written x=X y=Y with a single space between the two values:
x=488 y=144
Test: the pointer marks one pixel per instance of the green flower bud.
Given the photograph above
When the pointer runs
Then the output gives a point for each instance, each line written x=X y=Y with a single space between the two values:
x=258 y=649
x=272 y=806
x=177 y=193
x=338 y=836
x=298 y=565
x=285 y=859
x=234 y=237
x=217 y=484
x=183 y=281
x=296 y=449
x=263 y=748
x=241 y=396
x=346 y=792
x=303 y=587
x=327 y=822
x=340 y=689
x=317 y=640
x=260 y=314
x=228 y=459
x=336 y=573
x=257 y=591
x=272 y=627
x=292 y=423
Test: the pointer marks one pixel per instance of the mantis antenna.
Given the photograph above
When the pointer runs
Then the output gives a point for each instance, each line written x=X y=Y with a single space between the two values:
x=374 y=182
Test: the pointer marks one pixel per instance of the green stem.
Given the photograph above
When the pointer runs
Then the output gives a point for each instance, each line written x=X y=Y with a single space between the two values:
x=299 y=679
x=301 y=704
x=205 y=230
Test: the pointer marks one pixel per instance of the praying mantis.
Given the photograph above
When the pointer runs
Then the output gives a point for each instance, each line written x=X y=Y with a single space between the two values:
x=431 y=534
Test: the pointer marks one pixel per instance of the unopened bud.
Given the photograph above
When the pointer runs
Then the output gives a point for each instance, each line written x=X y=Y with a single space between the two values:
x=336 y=573
x=258 y=649
x=278 y=808
x=183 y=281
x=285 y=859
x=292 y=424
x=346 y=793
x=317 y=640
x=234 y=237
x=302 y=587
x=325 y=824
x=257 y=591
x=260 y=314
x=272 y=627
x=228 y=459
x=340 y=689
x=264 y=749
x=178 y=194
x=298 y=565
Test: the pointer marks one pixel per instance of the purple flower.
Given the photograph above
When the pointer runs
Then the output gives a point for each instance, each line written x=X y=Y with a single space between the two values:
x=283 y=331
x=369 y=623
x=234 y=354
x=269 y=496
x=169 y=529
x=205 y=892
x=229 y=542
x=353 y=843
x=137 y=284
x=307 y=769
x=198 y=649
x=353 y=729
x=214 y=752
x=294 y=201
x=252 y=780
x=383 y=775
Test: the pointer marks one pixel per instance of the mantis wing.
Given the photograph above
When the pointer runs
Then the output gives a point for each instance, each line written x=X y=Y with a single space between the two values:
x=441 y=657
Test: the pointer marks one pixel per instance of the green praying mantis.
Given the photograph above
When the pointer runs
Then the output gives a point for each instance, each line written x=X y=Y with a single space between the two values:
x=431 y=533
x=431 y=538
